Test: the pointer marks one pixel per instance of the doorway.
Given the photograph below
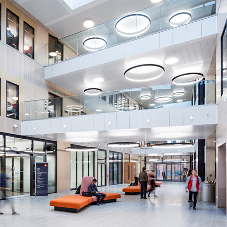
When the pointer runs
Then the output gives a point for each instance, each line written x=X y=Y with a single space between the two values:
x=18 y=172
x=101 y=174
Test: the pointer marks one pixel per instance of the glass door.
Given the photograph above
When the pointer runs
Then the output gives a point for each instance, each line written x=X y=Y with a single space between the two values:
x=101 y=174
x=18 y=173
x=177 y=172
x=168 y=172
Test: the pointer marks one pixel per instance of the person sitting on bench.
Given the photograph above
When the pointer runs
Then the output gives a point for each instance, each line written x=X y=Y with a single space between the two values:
x=92 y=188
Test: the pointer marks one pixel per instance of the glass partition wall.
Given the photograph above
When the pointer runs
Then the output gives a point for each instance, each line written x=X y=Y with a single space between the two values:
x=12 y=96
x=28 y=40
x=82 y=164
x=169 y=168
x=19 y=156
x=101 y=171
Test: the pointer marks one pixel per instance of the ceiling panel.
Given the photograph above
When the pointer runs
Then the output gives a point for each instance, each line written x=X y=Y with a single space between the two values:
x=193 y=57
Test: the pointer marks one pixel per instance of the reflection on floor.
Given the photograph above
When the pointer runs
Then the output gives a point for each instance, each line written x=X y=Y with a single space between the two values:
x=169 y=209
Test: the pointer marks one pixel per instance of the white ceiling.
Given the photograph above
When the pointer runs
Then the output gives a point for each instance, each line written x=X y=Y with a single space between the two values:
x=193 y=57
x=93 y=138
x=63 y=21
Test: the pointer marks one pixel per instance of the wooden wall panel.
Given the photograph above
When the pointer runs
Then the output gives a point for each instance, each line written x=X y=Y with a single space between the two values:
x=63 y=167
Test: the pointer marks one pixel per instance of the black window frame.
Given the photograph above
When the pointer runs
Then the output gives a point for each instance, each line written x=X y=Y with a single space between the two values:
x=9 y=11
x=222 y=36
x=33 y=44
x=17 y=93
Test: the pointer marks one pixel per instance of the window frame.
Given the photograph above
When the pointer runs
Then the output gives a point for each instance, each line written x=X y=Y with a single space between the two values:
x=222 y=36
x=33 y=43
x=17 y=93
x=7 y=10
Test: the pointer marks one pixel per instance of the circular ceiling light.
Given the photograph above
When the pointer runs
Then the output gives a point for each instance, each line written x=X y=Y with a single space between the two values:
x=98 y=80
x=81 y=148
x=89 y=23
x=188 y=78
x=133 y=24
x=178 y=93
x=92 y=91
x=74 y=108
x=171 y=61
x=143 y=73
x=145 y=97
x=156 y=1
x=162 y=99
x=94 y=43
x=123 y=144
x=172 y=145
x=53 y=54
x=180 y=18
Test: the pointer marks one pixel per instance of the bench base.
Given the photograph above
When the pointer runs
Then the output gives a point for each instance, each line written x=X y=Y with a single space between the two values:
x=68 y=209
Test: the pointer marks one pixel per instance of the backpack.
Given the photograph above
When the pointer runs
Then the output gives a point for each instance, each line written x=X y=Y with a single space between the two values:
x=78 y=190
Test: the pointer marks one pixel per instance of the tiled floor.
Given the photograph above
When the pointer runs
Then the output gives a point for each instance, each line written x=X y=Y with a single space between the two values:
x=169 y=209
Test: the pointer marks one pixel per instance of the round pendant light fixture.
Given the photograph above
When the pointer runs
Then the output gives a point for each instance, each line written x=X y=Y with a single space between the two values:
x=89 y=23
x=178 y=93
x=188 y=78
x=171 y=61
x=143 y=73
x=163 y=99
x=53 y=54
x=81 y=148
x=180 y=19
x=145 y=97
x=74 y=108
x=26 y=47
x=172 y=145
x=92 y=91
x=94 y=43
x=133 y=24
x=123 y=144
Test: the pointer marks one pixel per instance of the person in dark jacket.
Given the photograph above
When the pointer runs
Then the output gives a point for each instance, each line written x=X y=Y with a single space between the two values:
x=143 y=179
x=92 y=188
x=3 y=189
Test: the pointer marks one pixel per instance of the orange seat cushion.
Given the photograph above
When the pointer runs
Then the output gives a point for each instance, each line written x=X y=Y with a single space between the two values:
x=132 y=189
x=110 y=196
x=71 y=201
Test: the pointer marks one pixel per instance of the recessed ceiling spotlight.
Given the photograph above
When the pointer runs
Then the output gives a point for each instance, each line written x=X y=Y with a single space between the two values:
x=171 y=61
x=92 y=91
x=15 y=98
x=188 y=78
x=180 y=19
x=162 y=99
x=152 y=104
x=172 y=145
x=98 y=80
x=89 y=23
x=26 y=47
x=143 y=73
x=133 y=24
x=81 y=148
x=156 y=1
x=180 y=100
x=98 y=110
x=94 y=43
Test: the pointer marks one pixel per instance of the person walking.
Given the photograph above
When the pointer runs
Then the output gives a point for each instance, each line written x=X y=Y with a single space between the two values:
x=152 y=183
x=194 y=186
x=3 y=189
x=143 y=179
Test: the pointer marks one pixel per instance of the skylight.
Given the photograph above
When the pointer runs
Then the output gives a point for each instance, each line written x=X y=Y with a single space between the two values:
x=74 y=4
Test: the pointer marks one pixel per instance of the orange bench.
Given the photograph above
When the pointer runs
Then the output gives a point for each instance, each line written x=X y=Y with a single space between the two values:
x=136 y=189
x=75 y=203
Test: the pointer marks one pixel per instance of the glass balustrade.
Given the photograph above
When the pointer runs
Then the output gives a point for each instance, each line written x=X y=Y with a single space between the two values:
x=165 y=96
x=159 y=17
